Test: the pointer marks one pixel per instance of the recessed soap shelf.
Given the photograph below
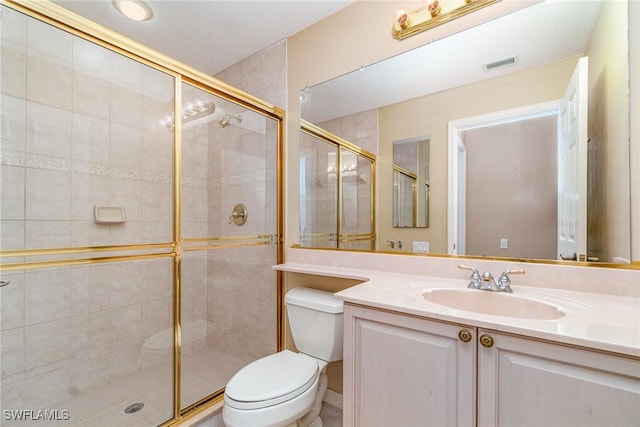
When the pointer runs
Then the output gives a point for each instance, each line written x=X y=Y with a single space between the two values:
x=108 y=215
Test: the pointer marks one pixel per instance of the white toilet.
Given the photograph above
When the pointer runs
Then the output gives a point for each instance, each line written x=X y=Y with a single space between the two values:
x=286 y=388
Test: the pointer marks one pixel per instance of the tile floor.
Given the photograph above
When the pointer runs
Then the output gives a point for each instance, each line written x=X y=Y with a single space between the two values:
x=204 y=371
x=331 y=417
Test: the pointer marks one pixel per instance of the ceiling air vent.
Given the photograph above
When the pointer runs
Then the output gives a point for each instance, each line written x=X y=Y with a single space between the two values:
x=501 y=63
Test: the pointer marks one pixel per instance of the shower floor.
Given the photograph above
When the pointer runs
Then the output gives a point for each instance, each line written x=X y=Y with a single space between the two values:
x=203 y=371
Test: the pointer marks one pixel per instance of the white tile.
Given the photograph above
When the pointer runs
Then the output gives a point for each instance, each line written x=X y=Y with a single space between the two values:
x=14 y=27
x=48 y=130
x=88 y=233
x=12 y=356
x=157 y=202
x=11 y=235
x=125 y=234
x=47 y=234
x=12 y=301
x=91 y=58
x=47 y=346
x=47 y=296
x=126 y=145
x=13 y=122
x=48 y=40
x=156 y=151
x=12 y=185
x=126 y=72
x=13 y=68
x=49 y=80
x=126 y=106
x=91 y=95
x=49 y=195
x=12 y=396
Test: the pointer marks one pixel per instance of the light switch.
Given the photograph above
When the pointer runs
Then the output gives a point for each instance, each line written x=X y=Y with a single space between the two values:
x=421 y=247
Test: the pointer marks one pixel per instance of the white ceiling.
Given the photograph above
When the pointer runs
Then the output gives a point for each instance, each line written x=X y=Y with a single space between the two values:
x=210 y=35
x=538 y=35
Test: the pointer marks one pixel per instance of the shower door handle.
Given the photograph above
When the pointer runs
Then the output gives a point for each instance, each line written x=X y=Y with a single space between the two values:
x=4 y=283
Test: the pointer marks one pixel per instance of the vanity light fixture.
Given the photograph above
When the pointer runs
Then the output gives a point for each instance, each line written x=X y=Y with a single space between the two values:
x=136 y=10
x=190 y=113
x=433 y=13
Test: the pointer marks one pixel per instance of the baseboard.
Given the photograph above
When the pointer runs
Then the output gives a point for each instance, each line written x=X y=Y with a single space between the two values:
x=332 y=398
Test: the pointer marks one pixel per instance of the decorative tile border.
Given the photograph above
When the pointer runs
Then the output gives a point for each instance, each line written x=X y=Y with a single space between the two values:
x=52 y=163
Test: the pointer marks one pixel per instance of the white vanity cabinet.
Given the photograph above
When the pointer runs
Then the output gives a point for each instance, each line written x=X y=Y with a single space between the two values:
x=403 y=370
x=406 y=371
x=527 y=382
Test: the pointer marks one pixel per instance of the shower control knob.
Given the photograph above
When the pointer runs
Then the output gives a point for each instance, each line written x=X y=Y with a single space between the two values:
x=239 y=214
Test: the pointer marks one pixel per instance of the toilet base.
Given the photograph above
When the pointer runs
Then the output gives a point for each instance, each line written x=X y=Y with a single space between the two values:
x=316 y=423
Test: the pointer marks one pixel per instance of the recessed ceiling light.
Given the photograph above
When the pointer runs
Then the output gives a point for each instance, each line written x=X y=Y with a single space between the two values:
x=134 y=9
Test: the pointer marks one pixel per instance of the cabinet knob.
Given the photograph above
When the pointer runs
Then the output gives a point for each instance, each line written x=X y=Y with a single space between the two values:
x=464 y=335
x=486 y=340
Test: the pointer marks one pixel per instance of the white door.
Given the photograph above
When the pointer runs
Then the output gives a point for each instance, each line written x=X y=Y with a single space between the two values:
x=572 y=167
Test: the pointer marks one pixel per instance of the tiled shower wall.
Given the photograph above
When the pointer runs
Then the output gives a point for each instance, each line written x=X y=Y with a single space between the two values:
x=80 y=127
x=241 y=285
x=360 y=129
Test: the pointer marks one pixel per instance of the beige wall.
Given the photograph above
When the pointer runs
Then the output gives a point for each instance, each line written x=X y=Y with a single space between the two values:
x=608 y=204
x=634 y=128
x=431 y=114
x=512 y=189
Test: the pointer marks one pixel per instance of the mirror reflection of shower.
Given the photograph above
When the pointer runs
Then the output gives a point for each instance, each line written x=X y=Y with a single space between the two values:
x=226 y=120
x=191 y=112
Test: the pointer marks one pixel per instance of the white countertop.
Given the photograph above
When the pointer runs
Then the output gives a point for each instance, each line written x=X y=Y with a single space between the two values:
x=598 y=321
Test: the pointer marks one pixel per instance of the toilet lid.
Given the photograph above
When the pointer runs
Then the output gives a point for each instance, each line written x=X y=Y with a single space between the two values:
x=271 y=380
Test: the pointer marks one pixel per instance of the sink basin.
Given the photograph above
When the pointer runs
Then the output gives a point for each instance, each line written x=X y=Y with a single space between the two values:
x=494 y=303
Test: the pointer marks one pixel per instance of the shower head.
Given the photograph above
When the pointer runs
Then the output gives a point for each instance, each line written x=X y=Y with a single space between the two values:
x=226 y=120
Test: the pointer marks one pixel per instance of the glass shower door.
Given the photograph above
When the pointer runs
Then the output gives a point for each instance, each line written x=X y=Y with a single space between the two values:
x=85 y=231
x=356 y=226
x=229 y=227
x=318 y=192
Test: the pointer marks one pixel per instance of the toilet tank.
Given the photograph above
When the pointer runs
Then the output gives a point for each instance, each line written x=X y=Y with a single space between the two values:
x=315 y=318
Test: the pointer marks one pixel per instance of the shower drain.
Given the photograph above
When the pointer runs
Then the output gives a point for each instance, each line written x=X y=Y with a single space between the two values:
x=133 y=408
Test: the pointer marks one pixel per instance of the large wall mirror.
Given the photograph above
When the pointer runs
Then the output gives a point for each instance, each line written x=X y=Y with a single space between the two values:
x=457 y=88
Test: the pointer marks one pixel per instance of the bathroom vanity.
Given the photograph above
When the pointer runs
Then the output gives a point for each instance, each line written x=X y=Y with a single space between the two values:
x=407 y=370
x=539 y=356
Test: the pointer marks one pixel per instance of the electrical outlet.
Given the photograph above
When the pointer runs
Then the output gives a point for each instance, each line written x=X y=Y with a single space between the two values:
x=421 y=247
x=504 y=243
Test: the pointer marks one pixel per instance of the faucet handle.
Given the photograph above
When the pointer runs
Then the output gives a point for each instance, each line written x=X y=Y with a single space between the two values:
x=504 y=283
x=476 y=279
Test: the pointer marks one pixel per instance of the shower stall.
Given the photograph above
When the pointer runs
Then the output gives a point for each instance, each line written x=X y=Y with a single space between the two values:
x=141 y=213
x=337 y=191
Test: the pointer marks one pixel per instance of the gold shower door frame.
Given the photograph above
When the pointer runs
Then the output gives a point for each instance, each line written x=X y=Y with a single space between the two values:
x=342 y=144
x=88 y=30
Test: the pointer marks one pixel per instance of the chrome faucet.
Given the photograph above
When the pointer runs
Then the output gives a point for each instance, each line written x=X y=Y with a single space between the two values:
x=476 y=279
x=504 y=283
x=486 y=281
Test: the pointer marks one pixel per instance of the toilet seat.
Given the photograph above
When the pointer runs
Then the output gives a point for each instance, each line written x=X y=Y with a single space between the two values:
x=272 y=380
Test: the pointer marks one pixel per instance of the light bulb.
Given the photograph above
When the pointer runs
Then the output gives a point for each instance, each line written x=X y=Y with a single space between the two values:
x=136 y=10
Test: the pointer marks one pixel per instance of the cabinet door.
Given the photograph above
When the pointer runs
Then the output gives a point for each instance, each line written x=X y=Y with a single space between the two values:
x=523 y=382
x=405 y=371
